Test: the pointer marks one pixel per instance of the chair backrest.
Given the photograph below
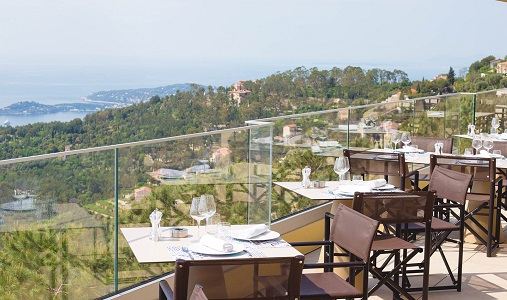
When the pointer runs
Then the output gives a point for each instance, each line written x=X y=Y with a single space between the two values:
x=353 y=231
x=396 y=208
x=428 y=143
x=449 y=184
x=482 y=169
x=376 y=163
x=247 y=278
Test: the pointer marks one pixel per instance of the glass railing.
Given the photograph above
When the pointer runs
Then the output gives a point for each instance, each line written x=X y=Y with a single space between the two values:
x=60 y=213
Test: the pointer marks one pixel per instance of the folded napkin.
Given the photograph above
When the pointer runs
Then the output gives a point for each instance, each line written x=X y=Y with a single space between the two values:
x=409 y=149
x=216 y=243
x=198 y=294
x=251 y=232
x=348 y=189
x=484 y=153
x=316 y=149
x=328 y=143
x=371 y=183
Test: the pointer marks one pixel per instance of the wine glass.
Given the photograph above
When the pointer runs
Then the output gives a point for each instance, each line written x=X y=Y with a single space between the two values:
x=477 y=143
x=341 y=166
x=395 y=138
x=208 y=202
x=488 y=143
x=198 y=212
x=495 y=124
x=314 y=134
x=405 y=138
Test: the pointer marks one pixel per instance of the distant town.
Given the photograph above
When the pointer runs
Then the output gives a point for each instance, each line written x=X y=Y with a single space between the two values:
x=95 y=102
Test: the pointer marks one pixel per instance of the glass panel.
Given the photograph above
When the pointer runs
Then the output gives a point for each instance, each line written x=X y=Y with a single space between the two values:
x=167 y=175
x=56 y=227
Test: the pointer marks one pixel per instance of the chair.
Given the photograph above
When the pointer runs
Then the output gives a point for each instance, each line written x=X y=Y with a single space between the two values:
x=397 y=210
x=451 y=188
x=502 y=146
x=380 y=163
x=428 y=143
x=245 y=278
x=483 y=172
x=352 y=232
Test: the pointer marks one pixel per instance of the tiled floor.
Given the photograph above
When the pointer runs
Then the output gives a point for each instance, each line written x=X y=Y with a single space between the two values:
x=483 y=277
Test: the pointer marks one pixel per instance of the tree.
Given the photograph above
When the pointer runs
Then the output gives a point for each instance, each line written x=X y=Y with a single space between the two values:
x=451 y=76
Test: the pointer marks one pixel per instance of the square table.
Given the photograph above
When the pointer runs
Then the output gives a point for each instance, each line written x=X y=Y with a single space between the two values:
x=148 y=251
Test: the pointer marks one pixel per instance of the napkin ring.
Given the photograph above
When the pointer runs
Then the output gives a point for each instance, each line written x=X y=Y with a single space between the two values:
x=179 y=232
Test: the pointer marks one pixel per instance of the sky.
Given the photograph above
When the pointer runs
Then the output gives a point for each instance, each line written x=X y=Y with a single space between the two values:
x=79 y=46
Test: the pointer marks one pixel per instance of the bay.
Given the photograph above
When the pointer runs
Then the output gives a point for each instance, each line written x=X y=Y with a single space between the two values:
x=20 y=120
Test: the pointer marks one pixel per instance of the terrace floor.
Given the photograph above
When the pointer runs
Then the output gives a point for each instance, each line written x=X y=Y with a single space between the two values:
x=483 y=277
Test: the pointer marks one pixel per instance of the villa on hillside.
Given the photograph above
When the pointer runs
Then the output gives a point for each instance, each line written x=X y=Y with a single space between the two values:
x=501 y=68
x=141 y=193
x=239 y=93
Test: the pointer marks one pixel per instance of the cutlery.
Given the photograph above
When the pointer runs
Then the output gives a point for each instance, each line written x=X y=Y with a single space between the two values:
x=185 y=249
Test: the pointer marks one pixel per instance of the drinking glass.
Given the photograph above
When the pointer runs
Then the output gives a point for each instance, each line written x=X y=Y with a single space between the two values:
x=198 y=212
x=488 y=143
x=497 y=153
x=357 y=177
x=395 y=138
x=224 y=230
x=414 y=154
x=477 y=143
x=212 y=223
x=468 y=151
x=405 y=138
x=341 y=166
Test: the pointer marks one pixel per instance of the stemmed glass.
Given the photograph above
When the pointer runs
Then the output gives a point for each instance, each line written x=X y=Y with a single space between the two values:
x=477 y=143
x=341 y=166
x=405 y=138
x=488 y=143
x=314 y=134
x=209 y=202
x=495 y=124
x=395 y=138
x=199 y=211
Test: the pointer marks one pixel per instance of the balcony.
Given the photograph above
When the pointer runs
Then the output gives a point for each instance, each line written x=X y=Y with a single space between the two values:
x=60 y=213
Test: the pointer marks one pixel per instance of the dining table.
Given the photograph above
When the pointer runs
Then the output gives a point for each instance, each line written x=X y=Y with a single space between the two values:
x=169 y=248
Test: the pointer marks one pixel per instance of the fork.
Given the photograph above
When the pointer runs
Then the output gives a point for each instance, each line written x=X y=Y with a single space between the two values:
x=185 y=249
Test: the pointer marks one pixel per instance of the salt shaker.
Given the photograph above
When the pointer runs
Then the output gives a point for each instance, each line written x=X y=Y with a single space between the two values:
x=471 y=130
x=438 y=148
x=306 y=177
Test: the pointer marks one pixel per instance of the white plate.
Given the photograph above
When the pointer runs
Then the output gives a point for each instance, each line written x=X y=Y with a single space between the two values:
x=266 y=236
x=348 y=194
x=385 y=187
x=202 y=249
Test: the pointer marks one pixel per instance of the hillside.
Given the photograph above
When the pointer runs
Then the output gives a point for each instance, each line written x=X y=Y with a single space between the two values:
x=132 y=96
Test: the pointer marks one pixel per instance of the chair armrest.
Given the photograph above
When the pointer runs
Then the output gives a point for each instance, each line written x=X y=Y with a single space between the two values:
x=164 y=291
x=312 y=243
x=344 y=264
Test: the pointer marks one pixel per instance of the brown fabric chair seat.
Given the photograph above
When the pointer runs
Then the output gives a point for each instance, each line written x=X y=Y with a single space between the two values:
x=326 y=285
x=478 y=197
x=436 y=225
x=389 y=242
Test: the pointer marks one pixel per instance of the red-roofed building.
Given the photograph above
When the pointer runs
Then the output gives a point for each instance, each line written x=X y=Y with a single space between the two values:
x=239 y=93
x=141 y=193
